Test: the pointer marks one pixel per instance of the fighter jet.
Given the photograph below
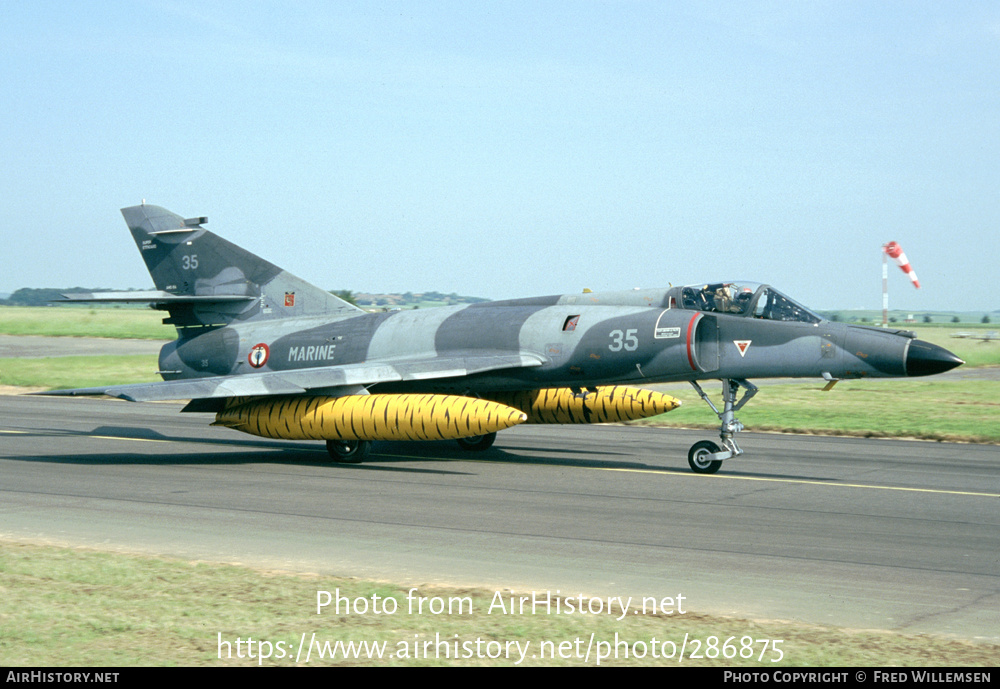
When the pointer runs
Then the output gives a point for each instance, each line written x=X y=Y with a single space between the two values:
x=274 y=356
x=985 y=337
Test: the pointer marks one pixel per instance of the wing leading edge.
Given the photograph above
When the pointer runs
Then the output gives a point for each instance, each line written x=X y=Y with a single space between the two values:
x=333 y=380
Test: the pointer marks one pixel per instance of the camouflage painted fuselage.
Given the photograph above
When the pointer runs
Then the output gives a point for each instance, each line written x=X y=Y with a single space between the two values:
x=273 y=355
x=581 y=341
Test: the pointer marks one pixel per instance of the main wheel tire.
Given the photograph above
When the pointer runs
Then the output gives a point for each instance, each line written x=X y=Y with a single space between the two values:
x=348 y=451
x=477 y=443
x=698 y=457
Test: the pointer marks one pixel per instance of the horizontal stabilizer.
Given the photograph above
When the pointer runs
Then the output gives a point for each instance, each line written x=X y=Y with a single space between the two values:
x=153 y=296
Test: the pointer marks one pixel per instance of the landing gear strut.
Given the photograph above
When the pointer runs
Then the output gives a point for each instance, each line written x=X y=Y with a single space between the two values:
x=477 y=443
x=705 y=457
x=348 y=451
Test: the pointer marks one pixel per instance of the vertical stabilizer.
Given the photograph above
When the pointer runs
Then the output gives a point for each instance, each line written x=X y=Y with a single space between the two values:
x=188 y=261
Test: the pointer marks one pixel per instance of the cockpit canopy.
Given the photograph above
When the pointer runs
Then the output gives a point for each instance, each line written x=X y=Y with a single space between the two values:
x=745 y=299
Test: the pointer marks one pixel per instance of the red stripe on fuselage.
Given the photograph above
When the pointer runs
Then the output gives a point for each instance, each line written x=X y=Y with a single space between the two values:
x=689 y=333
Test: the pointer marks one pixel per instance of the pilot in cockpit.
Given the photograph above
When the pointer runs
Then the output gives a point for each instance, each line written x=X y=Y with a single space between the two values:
x=721 y=299
x=727 y=299
x=742 y=303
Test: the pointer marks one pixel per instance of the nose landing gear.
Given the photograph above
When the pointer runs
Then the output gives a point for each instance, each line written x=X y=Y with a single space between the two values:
x=705 y=457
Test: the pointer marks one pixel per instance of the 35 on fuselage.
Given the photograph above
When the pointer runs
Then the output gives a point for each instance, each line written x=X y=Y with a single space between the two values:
x=272 y=355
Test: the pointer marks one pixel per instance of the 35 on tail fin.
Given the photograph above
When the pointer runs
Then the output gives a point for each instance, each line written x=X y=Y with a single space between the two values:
x=202 y=280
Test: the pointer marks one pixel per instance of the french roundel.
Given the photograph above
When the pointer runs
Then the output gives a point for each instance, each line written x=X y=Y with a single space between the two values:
x=259 y=354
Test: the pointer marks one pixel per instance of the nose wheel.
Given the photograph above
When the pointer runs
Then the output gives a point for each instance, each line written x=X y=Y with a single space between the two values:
x=700 y=457
x=705 y=457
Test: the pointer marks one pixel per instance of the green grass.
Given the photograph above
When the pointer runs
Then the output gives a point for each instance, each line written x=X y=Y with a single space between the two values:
x=929 y=409
x=72 y=607
x=76 y=321
x=926 y=408
x=874 y=317
x=144 y=323
x=78 y=371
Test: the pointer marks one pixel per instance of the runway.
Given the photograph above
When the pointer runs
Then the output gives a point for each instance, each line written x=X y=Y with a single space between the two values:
x=857 y=533
x=37 y=346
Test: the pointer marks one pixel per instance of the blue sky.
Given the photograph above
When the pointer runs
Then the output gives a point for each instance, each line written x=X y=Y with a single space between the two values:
x=505 y=149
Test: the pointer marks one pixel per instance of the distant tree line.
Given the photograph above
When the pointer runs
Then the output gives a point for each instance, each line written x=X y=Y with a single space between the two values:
x=345 y=294
x=406 y=299
x=44 y=296
x=28 y=296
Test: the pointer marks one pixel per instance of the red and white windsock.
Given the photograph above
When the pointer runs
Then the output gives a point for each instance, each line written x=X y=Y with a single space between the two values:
x=895 y=252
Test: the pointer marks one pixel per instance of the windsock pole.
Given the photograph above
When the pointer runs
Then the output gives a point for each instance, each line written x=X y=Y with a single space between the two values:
x=885 y=289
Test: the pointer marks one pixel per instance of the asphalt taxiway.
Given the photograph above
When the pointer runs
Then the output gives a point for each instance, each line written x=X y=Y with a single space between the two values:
x=850 y=532
x=37 y=346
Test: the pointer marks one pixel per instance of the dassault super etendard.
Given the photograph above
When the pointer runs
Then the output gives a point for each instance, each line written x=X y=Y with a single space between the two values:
x=271 y=355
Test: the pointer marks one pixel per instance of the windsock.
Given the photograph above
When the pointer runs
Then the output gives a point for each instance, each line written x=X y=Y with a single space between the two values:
x=895 y=252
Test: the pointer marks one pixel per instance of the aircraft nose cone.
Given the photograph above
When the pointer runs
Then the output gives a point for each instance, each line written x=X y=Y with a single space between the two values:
x=925 y=359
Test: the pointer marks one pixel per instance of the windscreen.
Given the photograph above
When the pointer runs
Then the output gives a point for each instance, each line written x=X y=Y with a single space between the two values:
x=745 y=299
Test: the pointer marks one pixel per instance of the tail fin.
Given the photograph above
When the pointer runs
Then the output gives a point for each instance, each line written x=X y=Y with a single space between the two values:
x=213 y=282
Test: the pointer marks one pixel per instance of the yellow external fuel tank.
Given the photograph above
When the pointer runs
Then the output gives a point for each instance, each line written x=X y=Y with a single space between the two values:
x=367 y=417
x=609 y=404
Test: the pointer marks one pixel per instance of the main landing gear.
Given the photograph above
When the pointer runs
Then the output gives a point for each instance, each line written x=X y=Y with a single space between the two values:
x=355 y=451
x=705 y=457
x=477 y=443
x=348 y=451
